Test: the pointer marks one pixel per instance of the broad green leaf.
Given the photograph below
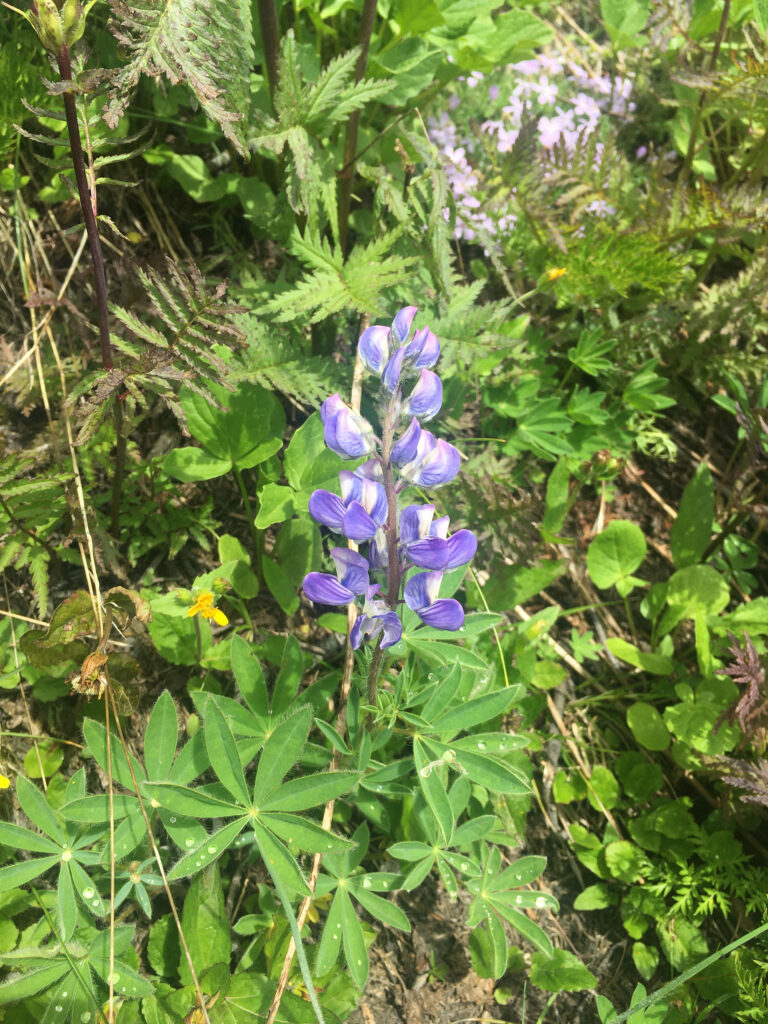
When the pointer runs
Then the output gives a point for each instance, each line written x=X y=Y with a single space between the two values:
x=303 y=834
x=309 y=463
x=276 y=504
x=483 y=953
x=595 y=897
x=86 y=890
x=433 y=789
x=160 y=737
x=45 y=753
x=760 y=10
x=191 y=761
x=474 y=829
x=486 y=771
x=20 y=838
x=128 y=834
x=281 y=585
x=695 y=589
x=646 y=960
x=192 y=803
x=187 y=833
x=478 y=711
x=249 y=677
x=289 y=677
x=240 y=720
x=656 y=664
x=625 y=861
x=560 y=972
x=354 y=942
x=38 y=810
x=615 y=554
x=281 y=752
x=602 y=788
x=647 y=726
x=692 y=529
x=131 y=984
x=13 y=875
x=279 y=861
x=246 y=431
x=223 y=755
x=192 y=464
x=205 y=924
x=409 y=850
x=209 y=850
x=309 y=791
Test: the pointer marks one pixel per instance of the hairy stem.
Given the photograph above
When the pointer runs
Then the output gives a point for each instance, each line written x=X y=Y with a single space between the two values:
x=270 y=40
x=353 y=124
x=88 y=208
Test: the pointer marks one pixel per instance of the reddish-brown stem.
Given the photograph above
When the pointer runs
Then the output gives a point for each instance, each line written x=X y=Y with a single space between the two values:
x=89 y=214
x=350 y=141
x=270 y=40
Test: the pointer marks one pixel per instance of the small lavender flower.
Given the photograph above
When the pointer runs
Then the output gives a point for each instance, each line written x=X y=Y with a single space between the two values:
x=368 y=509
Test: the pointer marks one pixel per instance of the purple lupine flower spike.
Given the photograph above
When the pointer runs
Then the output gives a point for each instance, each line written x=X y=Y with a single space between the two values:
x=391 y=376
x=441 y=554
x=415 y=521
x=426 y=398
x=374 y=348
x=435 y=463
x=401 y=325
x=351 y=579
x=421 y=597
x=346 y=432
x=376 y=618
x=360 y=511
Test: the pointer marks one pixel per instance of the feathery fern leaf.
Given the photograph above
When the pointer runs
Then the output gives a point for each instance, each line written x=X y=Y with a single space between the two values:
x=207 y=44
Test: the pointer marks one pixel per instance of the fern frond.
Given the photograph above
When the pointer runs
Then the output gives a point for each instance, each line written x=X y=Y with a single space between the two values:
x=206 y=44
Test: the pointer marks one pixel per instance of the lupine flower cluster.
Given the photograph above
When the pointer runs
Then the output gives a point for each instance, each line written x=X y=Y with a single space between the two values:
x=369 y=510
x=568 y=104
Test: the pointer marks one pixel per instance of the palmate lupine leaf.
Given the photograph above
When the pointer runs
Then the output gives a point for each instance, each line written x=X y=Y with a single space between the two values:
x=207 y=44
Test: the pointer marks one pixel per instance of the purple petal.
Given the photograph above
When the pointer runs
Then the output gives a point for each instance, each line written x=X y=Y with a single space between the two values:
x=351 y=568
x=443 y=614
x=357 y=631
x=401 y=325
x=421 y=590
x=378 y=552
x=405 y=448
x=349 y=435
x=393 y=629
x=374 y=348
x=439 y=527
x=415 y=522
x=424 y=350
x=429 y=553
x=391 y=375
x=330 y=407
x=369 y=493
x=462 y=547
x=370 y=470
x=437 y=467
x=323 y=588
x=327 y=508
x=358 y=525
x=426 y=398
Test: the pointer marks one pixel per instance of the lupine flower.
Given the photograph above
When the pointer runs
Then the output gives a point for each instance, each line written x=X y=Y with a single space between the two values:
x=358 y=513
x=401 y=325
x=421 y=597
x=435 y=462
x=346 y=432
x=376 y=618
x=426 y=398
x=351 y=579
x=374 y=348
x=424 y=351
x=204 y=606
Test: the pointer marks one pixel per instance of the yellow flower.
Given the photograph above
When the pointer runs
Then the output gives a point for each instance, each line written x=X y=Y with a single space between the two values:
x=204 y=605
x=554 y=272
x=4 y=782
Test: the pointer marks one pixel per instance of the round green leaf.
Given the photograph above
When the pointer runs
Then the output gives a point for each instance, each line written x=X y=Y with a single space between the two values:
x=625 y=861
x=46 y=753
x=615 y=554
x=647 y=726
x=697 y=588
x=562 y=972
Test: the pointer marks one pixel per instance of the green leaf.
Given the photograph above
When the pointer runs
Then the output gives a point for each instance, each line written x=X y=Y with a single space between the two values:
x=487 y=771
x=246 y=431
x=222 y=751
x=330 y=941
x=556 y=500
x=487 y=958
x=682 y=942
x=625 y=861
x=281 y=586
x=96 y=808
x=562 y=972
x=646 y=959
x=289 y=677
x=304 y=834
x=693 y=590
x=615 y=553
x=276 y=504
x=692 y=529
x=192 y=803
x=656 y=664
x=522 y=871
x=66 y=905
x=354 y=942
x=595 y=897
x=205 y=925
x=478 y=710
x=602 y=788
x=378 y=907
x=279 y=861
x=434 y=791
x=760 y=9
x=38 y=810
x=281 y=752
x=29 y=984
x=46 y=752
x=249 y=677
x=647 y=726
x=20 y=838
x=309 y=791
x=192 y=464
x=95 y=736
x=309 y=463
x=14 y=875
x=209 y=850
x=161 y=737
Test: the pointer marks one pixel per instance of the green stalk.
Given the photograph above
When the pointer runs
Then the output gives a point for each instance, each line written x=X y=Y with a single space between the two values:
x=301 y=956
